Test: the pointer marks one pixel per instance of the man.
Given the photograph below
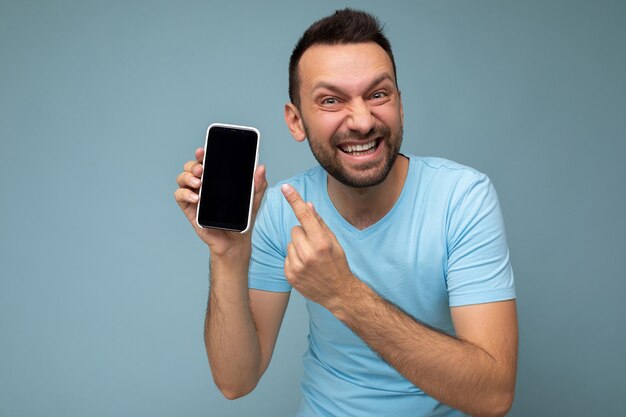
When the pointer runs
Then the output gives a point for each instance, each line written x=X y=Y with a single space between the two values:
x=403 y=260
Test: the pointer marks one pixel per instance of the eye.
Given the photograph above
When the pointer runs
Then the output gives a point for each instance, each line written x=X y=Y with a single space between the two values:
x=379 y=95
x=329 y=101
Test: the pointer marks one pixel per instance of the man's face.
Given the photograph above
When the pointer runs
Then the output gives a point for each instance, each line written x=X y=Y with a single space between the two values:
x=351 y=111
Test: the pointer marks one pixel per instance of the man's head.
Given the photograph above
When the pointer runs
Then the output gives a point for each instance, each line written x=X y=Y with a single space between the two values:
x=344 y=27
x=345 y=99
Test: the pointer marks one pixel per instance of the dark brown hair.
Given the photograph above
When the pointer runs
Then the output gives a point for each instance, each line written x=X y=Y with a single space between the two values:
x=345 y=26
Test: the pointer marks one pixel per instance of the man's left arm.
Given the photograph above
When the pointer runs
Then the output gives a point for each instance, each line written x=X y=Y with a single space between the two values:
x=473 y=372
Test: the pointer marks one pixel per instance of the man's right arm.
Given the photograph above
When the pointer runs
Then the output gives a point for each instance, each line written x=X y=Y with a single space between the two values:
x=241 y=325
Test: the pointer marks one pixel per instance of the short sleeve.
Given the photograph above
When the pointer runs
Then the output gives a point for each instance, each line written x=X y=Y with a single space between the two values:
x=478 y=270
x=268 y=255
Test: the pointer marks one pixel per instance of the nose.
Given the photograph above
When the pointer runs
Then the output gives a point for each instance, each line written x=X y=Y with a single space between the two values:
x=360 y=118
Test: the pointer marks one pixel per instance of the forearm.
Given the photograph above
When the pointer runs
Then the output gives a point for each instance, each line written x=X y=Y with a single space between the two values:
x=230 y=335
x=455 y=372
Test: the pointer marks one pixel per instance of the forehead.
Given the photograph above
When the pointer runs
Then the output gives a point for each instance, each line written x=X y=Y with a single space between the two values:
x=343 y=63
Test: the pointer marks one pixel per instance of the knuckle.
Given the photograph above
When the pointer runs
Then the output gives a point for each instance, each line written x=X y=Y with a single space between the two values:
x=297 y=268
x=307 y=259
x=290 y=275
x=325 y=246
x=289 y=270
x=179 y=194
x=295 y=233
x=306 y=215
x=291 y=253
x=189 y=177
x=190 y=196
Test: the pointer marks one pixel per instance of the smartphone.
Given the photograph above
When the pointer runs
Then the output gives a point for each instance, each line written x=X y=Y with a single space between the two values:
x=226 y=194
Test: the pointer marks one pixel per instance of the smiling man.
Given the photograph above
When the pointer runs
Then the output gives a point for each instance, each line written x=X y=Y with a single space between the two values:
x=403 y=259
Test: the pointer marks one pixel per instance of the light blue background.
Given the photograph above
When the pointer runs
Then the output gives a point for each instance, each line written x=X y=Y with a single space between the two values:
x=103 y=283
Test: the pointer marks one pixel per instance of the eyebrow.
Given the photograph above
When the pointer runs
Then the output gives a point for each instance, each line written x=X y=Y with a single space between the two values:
x=333 y=87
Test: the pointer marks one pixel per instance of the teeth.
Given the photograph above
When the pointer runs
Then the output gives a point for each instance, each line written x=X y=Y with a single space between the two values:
x=360 y=148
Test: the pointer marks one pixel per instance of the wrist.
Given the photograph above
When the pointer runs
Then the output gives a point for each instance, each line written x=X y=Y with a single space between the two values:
x=349 y=302
x=234 y=259
x=233 y=250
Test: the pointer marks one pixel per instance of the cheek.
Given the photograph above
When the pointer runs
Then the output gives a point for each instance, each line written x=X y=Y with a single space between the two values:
x=325 y=125
x=332 y=120
x=390 y=115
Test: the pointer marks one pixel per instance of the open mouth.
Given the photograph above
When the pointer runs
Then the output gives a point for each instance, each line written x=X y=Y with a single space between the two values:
x=360 y=149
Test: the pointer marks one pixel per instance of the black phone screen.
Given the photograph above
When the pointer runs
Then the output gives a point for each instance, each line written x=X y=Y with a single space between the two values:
x=229 y=163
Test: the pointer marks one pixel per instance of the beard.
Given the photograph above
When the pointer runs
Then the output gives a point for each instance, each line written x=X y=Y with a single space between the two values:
x=369 y=174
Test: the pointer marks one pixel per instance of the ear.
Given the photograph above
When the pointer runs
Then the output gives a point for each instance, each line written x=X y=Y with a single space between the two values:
x=401 y=109
x=294 y=122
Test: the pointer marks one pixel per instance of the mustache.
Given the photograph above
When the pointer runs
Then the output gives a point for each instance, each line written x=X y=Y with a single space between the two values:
x=376 y=132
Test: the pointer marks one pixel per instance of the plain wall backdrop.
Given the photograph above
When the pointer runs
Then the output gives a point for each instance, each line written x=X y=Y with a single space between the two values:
x=103 y=284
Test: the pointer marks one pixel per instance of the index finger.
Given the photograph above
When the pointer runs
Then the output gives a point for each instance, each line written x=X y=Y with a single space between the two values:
x=303 y=212
x=321 y=221
x=200 y=155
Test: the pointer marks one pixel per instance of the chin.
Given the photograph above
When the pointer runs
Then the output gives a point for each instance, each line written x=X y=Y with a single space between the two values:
x=363 y=179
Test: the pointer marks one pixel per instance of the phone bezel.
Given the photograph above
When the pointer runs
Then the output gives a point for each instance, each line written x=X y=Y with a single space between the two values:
x=256 y=159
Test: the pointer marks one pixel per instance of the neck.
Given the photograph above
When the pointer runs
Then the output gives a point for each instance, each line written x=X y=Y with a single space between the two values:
x=362 y=207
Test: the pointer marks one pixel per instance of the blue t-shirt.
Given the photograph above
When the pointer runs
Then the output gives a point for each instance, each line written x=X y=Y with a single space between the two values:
x=442 y=244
